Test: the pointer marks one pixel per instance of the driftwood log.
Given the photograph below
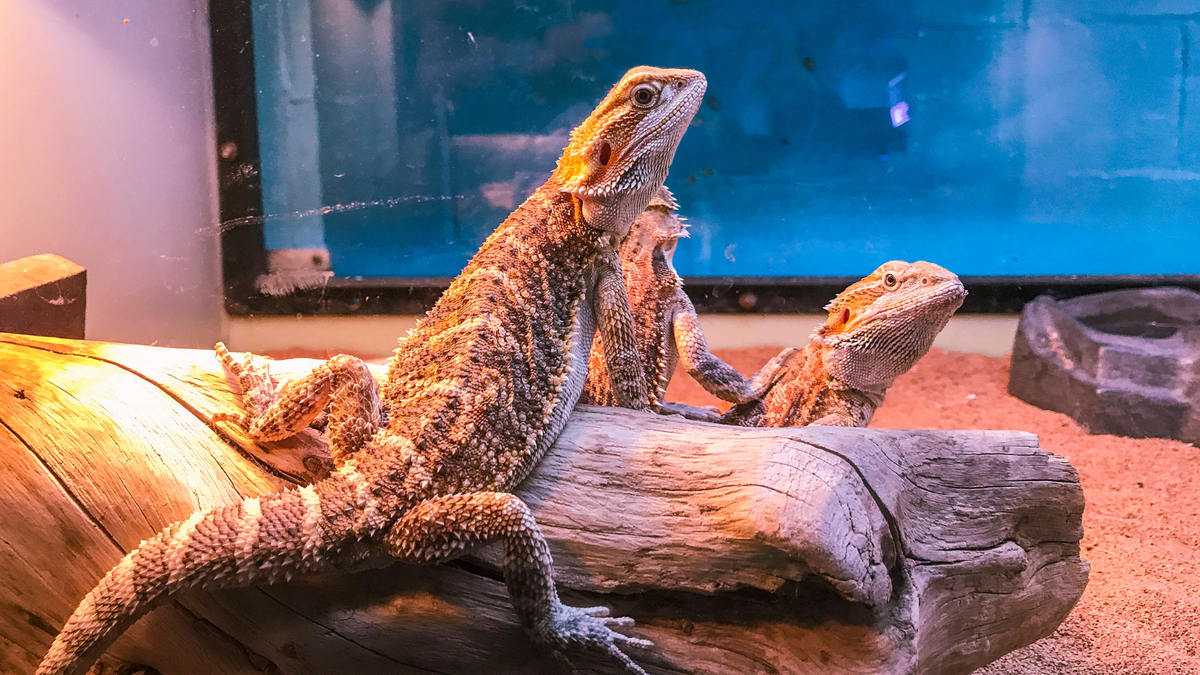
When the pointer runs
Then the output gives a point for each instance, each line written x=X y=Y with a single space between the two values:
x=737 y=550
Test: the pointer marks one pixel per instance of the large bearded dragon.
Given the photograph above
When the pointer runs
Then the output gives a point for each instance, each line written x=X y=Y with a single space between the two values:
x=876 y=330
x=473 y=397
x=668 y=330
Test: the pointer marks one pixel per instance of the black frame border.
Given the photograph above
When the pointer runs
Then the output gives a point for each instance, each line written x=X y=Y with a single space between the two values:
x=244 y=254
x=239 y=184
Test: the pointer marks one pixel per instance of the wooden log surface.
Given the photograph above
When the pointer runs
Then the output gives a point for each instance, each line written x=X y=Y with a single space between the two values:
x=737 y=550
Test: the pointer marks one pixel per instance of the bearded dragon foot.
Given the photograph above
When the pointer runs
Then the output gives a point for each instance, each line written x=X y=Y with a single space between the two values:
x=706 y=413
x=257 y=385
x=570 y=630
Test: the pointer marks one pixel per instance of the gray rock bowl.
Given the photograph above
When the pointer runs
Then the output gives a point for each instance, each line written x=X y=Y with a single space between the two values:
x=1123 y=362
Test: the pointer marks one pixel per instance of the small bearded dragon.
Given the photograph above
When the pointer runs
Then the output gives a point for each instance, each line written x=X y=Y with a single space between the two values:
x=877 y=329
x=473 y=398
x=668 y=330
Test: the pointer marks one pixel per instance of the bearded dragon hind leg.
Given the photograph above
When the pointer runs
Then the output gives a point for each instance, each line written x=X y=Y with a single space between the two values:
x=341 y=388
x=749 y=414
x=444 y=528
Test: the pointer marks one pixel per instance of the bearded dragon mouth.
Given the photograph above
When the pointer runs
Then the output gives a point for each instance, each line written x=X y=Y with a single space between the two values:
x=953 y=294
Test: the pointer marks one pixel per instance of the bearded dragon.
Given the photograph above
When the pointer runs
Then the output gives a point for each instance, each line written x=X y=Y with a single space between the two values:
x=876 y=330
x=668 y=330
x=472 y=399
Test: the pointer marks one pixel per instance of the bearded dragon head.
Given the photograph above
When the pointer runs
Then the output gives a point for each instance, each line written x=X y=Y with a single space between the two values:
x=880 y=326
x=618 y=158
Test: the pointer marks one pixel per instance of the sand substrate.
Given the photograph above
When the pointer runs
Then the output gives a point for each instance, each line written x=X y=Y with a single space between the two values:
x=1140 y=613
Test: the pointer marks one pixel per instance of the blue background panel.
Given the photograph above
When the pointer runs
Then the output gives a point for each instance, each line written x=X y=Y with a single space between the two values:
x=995 y=137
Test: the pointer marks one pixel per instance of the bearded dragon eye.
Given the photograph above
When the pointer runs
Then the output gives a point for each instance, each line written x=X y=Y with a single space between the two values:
x=889 y=280
x=644 y=96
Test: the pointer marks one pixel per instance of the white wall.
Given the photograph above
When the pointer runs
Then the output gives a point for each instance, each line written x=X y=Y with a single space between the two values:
x=990 y=334
x=106 y=158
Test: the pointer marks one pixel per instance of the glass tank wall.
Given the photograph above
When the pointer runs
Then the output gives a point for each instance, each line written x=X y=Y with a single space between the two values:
x=1018 y=137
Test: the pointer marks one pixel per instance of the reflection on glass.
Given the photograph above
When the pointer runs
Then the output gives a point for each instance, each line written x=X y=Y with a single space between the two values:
x=992 y=137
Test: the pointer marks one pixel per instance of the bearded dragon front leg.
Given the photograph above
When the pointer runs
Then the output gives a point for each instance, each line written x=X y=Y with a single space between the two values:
x=444 y=528
x=614 y=320
x=343 y=385
x=749 y=412
x=717 y=377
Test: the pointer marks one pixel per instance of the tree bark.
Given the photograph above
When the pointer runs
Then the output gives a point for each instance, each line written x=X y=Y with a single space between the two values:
x=817 y=550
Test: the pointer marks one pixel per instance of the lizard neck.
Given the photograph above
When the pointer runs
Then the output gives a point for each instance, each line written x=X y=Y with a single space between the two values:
x=850 y=369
